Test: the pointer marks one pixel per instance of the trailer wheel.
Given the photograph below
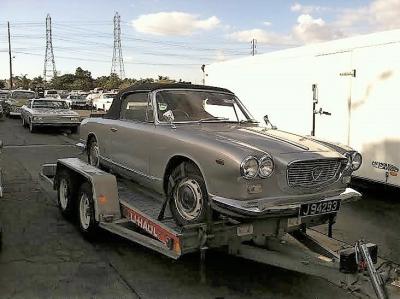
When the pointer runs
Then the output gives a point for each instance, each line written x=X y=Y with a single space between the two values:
x=86 y=214
x=65 y=194
x=188 y=197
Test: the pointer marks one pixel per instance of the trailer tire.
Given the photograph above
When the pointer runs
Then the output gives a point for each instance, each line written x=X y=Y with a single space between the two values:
x=86 y=213
x=65 y=194
x=187 y=194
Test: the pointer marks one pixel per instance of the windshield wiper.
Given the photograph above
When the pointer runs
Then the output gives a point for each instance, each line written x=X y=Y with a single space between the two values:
x=213 y=118
x=252 y=121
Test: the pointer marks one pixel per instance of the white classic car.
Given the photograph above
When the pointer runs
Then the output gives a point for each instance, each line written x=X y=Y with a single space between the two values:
x=48 y=112
x=104 y=101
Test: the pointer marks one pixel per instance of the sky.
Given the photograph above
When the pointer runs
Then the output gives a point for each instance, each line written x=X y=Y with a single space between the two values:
x=175 y=37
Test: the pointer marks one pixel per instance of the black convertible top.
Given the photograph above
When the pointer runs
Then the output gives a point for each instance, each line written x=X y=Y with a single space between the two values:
x=113 y=112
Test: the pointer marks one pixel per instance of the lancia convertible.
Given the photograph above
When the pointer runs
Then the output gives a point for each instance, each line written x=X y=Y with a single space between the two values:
x=199 y=146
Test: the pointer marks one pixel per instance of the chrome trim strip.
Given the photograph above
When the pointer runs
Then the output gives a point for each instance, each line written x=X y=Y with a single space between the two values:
x=153 y=178
x=256 y=205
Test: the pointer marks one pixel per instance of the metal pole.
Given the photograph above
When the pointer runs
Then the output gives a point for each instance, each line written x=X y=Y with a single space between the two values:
x=376 y=279
x=9 y=54
x=315 y=101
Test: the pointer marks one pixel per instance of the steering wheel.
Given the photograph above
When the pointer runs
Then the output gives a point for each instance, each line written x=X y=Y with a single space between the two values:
x=177 y=111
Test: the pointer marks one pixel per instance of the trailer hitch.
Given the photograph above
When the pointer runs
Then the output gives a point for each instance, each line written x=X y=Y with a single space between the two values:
x=363 y=259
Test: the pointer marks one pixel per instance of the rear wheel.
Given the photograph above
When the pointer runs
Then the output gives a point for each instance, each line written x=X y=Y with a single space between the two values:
x=86 y=214
x=93 y=153
x=188 y=197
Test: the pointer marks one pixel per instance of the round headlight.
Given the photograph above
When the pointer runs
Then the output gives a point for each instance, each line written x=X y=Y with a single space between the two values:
x=266 y=167
x=356 y=161
x=249 y=167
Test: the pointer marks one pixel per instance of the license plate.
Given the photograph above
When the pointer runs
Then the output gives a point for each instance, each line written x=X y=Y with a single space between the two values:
x=319 y=208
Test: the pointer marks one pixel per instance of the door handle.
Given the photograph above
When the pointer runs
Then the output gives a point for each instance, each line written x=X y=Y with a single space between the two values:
x=114 y=129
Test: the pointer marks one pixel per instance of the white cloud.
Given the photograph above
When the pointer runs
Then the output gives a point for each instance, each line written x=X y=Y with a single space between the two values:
x=173 y=23
x=309 y=30
x=295 y=7
x=308 y=9
x=262 y=36
x=379 y=15
x=267 y=23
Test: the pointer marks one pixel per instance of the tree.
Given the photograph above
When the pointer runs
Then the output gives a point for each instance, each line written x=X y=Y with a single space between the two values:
x=36 y=81
x=21 y=82
x=165 y=79
x=83 y=79
x=2 y=84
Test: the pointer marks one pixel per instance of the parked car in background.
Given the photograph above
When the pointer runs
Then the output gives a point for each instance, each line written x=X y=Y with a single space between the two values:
x=53 y=96
x=47 y=112
x=1 y=112
x=78 y=100
x=104 y=101
x=4 y=94
x=16 y=100
x=199 y=145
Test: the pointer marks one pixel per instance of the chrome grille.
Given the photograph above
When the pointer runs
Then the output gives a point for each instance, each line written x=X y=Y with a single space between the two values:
x=310 y=173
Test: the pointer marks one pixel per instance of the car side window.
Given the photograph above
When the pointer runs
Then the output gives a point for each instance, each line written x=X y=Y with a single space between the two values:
x=136 y=107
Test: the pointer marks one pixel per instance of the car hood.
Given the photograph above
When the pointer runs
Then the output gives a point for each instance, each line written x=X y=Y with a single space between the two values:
x=264 y=140
x=18 y=102
x=54 y=112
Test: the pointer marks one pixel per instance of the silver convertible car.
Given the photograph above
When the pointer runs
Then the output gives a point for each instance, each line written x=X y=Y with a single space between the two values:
x=49 y=112
x=200 y=147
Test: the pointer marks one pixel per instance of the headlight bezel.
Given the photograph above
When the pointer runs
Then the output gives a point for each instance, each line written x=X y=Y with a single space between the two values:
x=351 y=158
x=242 y=167
x=265 y=159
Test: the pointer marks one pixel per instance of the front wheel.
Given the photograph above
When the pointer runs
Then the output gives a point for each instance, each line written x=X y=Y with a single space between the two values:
x=188 y=197
x=86 y=213
x=32 y=128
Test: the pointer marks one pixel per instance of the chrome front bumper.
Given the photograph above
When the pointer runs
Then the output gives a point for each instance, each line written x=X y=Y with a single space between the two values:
x=260 y=207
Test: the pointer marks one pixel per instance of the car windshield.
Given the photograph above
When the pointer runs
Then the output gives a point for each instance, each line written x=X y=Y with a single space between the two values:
x=50 y=104
x=200 y=106
x=23 y=95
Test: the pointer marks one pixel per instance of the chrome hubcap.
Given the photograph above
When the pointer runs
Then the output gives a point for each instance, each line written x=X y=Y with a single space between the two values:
x=63 y=194
x=188 y=199
x=84 y=211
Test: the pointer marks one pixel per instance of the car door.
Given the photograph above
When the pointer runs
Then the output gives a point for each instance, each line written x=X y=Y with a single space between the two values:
x=131 y=135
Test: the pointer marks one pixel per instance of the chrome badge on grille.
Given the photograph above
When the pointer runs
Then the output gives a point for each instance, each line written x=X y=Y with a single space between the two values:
x=316 y=173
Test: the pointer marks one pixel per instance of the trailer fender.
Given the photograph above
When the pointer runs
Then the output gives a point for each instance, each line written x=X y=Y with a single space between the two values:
x=104 y=187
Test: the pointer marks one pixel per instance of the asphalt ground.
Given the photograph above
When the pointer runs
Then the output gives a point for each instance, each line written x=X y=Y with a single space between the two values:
x=44 y=256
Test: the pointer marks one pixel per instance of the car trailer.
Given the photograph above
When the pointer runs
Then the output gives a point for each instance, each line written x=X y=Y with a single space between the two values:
x=131 y=211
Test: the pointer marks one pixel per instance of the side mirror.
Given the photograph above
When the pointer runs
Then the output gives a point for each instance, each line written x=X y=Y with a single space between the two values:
x=169 y=116
x=267 y=122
